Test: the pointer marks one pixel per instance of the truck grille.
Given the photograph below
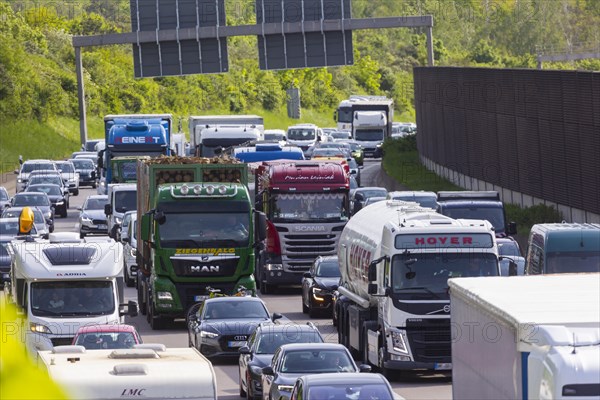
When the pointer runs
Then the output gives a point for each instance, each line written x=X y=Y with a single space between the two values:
x=430 y=340
x=99 y=221
x=62 y=341
x=301 y=250
x=196 y=268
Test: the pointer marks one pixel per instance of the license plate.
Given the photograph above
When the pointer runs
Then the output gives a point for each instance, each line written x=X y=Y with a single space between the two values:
x=200 y=298
x=443 y=366
x=237 y=344
x=102 y=226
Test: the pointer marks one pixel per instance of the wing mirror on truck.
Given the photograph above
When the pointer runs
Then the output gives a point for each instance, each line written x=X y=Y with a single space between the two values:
x=512 y=228
x=107 y=209
x=132 y=309
x=372 y=273
x=160 y=217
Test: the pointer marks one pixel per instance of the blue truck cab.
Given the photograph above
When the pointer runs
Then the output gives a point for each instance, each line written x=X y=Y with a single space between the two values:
x=476 y=205
x=563 y=248
x=268 y=152
x=135 y=135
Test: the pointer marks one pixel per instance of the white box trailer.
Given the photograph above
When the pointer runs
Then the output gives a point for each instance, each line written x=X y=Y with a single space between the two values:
x=526 y=337
x=198 y=123
x=149 y=371
x=63 y=284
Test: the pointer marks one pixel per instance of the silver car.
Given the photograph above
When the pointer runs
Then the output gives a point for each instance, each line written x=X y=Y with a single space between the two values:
x=41 y=225
x=92 y=218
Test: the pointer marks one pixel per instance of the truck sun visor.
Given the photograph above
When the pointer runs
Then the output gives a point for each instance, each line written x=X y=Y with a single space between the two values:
x=67 y=255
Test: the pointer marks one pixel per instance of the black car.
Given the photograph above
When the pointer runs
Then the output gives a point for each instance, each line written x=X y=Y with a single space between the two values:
x=345 y=386
x=291 y=361
x=58 y=198
x=223 y=324
x=261 y=346
x=318 y=285
x=86 y=170
x=39 y=200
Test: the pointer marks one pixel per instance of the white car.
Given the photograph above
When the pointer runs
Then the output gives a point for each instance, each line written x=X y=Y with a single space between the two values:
x=28 y=167
x=69 y=175
x=129 y=239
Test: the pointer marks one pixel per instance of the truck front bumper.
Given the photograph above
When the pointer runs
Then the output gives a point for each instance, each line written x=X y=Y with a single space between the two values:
x=412 y=365
x=281 y=277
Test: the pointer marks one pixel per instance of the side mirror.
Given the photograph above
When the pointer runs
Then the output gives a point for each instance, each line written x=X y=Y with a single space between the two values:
x=145 y=227
x=372 y=288
x=132 y=308
x=267 y=371
x=261 y=225
x=244 y=350
x=512 y=228
x=512 y=268
x=307 y=275
x=107 y=209
x=276 y=316
x=364 y=368
x=160 y=217
x=372 y=272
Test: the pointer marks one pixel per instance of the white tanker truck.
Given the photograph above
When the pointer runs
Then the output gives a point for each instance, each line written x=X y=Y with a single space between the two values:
x=396 y=257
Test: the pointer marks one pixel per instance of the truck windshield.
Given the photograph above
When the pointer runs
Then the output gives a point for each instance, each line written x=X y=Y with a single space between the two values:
x=194 y=230
x=301 y=134
x=415 y=274
x=208 y=146
x=72 y=298
x=125 y=171
x=313 y=207
x=125 y=201
x=345 y=114
x=569 y=262
x=368 y=135
x=494 y=215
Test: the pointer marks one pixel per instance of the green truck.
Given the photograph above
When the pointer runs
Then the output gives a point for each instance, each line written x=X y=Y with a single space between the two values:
x=197 y=229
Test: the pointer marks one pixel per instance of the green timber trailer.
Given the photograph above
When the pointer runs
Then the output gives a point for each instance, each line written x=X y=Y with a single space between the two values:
x=197 y=228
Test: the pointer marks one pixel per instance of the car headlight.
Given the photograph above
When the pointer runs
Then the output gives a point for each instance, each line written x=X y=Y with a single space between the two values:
x=60 y=203
x=72 y=180
x=132 y=252
x=48 y=214
x=85 y=219
x=210 y=335
x=39 y=328
x=285 y=388
x=164 y=296
x=19 y=180
x=398 y=342
x=118 y=220
x=318 y=294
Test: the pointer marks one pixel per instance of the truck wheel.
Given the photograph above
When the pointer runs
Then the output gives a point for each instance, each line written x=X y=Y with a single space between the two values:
x=76 y=192
x=156 y=323
x=64 y=213
x=129 y=282
x=140 y=296
x=381 y=358
x=81 y=235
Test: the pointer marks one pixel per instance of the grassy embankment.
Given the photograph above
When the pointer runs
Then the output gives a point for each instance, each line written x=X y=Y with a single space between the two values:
x=402 y=163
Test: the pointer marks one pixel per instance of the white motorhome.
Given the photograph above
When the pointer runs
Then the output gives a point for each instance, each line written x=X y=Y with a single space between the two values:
x=122 y=197
x=64 y=283
x=395 y=260
x=199 y=123
x=369 y=130
x=526 y=337
x=148 y=371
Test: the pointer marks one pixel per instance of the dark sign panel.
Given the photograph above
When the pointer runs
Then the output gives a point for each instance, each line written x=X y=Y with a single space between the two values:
x=178 y=57
x=305 y=49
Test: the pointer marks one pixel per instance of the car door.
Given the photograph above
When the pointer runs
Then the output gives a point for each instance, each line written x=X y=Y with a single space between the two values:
x=245 y=358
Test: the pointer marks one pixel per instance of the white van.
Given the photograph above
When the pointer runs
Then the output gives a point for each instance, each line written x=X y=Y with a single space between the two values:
x=122 y=197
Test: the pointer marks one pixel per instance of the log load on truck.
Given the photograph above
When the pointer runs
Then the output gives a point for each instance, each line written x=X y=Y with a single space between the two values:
x=148 y=371
x=395 y=259
x=197 y=228
x=526 y=337
x=306 y=205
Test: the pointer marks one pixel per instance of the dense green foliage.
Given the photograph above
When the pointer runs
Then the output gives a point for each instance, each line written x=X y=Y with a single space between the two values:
x=37 y=71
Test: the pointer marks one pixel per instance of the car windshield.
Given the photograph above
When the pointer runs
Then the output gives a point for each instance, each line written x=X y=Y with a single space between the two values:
x=317 y=361
x=50 y=190
x=301 y=134
x=31 y=199
x=494 y=215
x=125 y=200
x=508 y=248
x=53 y=179
x=570 y=262
x=269 y=341
x=82 y=163
x=273 y=136
x=95 y=204
x=368 y=134
x=235 y=310
x=72 y=298
x=29 y=167
x=38 y=218
x=106 y=340
x=370 y=391
x=66 y=167
x=303 y=207
x=329 y=269
x=3 y=195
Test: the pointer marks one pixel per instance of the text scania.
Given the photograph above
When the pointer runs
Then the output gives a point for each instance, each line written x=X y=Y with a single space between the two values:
x=304 y=228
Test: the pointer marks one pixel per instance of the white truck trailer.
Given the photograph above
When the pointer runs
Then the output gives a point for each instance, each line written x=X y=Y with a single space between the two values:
x=149 y=371
x=63 y=284
x=201 y=147
x=526 y=337
x=395 y=260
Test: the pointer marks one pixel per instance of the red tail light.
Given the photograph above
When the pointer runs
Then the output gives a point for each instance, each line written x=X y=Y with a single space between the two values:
x=273 y=243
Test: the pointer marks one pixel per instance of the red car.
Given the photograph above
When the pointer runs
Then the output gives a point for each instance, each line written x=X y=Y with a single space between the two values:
x=107 y=337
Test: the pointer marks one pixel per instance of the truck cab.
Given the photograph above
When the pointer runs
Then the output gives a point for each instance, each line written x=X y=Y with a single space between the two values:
x=563 y=248
x=369 y=129
x=304 y=135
